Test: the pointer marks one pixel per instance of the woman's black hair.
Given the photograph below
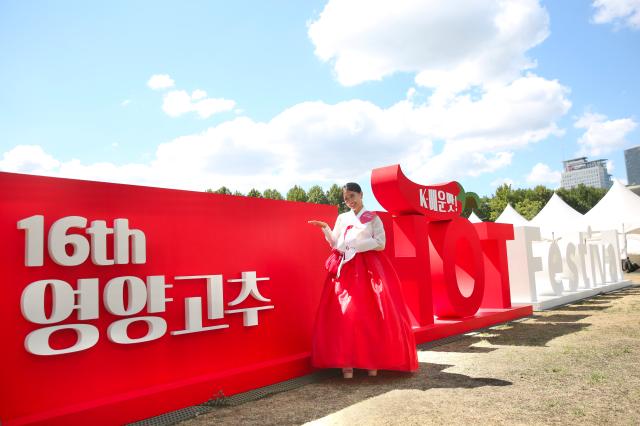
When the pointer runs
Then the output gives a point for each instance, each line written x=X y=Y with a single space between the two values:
x=353 y=187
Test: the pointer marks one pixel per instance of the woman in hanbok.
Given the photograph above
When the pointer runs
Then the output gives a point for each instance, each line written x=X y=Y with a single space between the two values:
x=362 y=320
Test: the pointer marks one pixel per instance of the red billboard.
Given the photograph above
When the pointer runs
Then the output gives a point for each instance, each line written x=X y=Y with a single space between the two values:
x=122 y=302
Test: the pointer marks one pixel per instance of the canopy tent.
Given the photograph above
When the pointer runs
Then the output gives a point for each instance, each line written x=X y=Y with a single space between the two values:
x=474 y=219
x=510 y=215
x=633 y=244
x=558 y=218
x=618 y=209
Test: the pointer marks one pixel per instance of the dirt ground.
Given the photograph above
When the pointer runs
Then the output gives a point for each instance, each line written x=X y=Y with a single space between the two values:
x=579 y=363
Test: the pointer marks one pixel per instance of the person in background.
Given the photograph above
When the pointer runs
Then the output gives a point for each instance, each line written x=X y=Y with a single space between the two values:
x=629 y=266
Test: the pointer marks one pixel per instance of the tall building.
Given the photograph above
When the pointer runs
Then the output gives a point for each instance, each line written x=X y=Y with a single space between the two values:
x=632 y=161
x=590 y=173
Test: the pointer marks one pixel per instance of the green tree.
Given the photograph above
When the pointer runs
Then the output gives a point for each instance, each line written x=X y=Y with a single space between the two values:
x=529 y=201
x=272 y=194
x=498 y=201
x=528 y=207
x=470 y=201
x=526 y=201
x=483 y=209
x=316 y=195
x=334 y=197
x=541 y=194
x=297 y=194
x=254 y=193
x=238 y=193
x=223 y=190
x=582 y=198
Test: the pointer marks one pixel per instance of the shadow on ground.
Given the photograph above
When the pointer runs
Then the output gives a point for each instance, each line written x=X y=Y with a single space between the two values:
x=429 y=376
x=531 y=333
x=333 y=393
x=559 y=318
x=539 y=329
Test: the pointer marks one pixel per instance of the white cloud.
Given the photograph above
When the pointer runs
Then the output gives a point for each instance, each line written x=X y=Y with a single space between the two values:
x=160 y=82
x=125 y=102
x=610 y=166
x=602 y=135
x=315 y=142
x=504 y=116
x=448 y=136
x=455 y=163
x=618 y=12
x=482 y=134
x=28 y=159
x=449 y=45
x=179 y=102
x=198 y=94
x=542 y=174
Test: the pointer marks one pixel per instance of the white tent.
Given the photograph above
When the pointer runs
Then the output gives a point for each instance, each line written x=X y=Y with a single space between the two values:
x=558 y=218
x=510 y=215
x=633 y=244
x=618 y=209
x=474 y=219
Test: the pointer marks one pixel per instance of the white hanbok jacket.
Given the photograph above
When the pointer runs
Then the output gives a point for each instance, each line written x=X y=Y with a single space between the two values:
x=359 y=238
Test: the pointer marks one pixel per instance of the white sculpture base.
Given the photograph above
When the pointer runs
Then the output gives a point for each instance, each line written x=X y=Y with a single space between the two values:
x=549 y=302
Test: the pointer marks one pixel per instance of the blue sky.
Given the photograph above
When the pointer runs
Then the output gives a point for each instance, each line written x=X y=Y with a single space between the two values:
x=271 y=94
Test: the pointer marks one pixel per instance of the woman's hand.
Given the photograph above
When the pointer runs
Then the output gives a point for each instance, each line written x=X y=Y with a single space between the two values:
x=318 y=223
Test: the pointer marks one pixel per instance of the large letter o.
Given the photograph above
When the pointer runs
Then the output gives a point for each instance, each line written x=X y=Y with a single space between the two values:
x=456 y=268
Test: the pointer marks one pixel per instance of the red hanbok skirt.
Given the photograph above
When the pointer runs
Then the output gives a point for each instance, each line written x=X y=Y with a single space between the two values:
x=362 y=320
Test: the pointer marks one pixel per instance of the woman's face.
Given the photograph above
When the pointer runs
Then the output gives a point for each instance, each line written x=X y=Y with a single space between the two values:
x=352 y=199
